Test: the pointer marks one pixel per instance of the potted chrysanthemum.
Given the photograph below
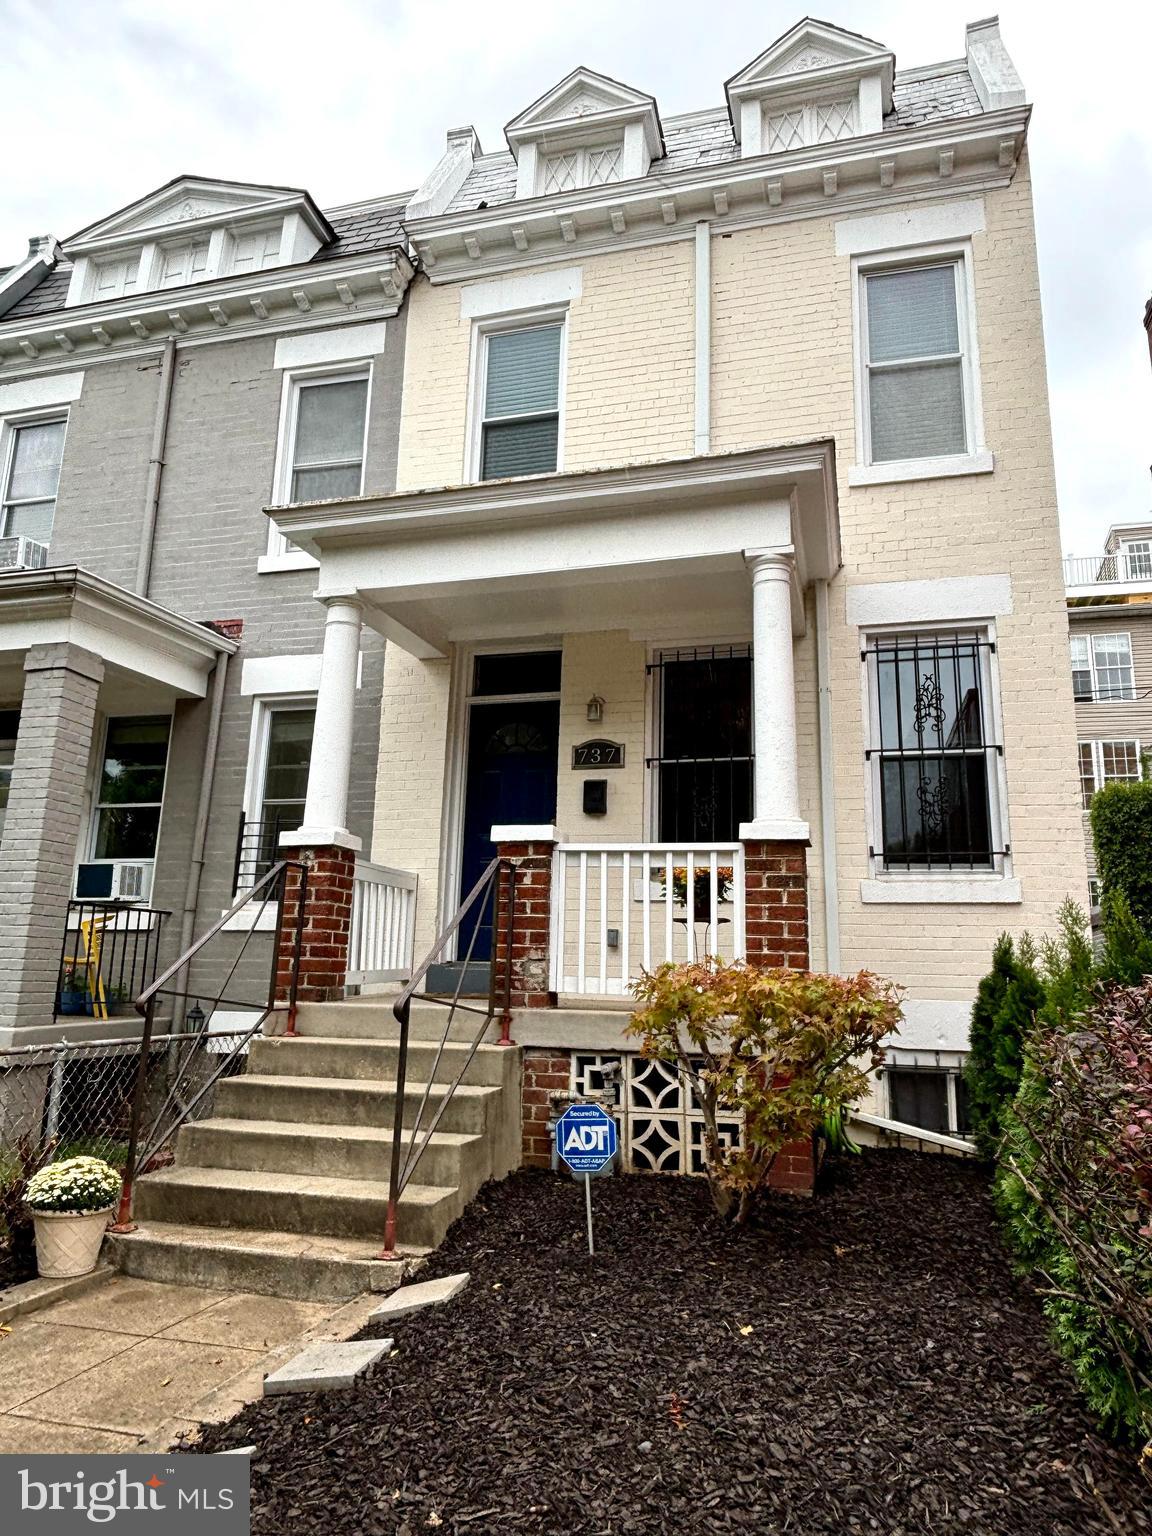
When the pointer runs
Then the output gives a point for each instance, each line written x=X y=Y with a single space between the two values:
x=71 y=1202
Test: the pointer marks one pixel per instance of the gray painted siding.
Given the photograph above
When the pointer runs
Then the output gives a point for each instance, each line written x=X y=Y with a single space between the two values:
x=1115 y=720
x=211 y=530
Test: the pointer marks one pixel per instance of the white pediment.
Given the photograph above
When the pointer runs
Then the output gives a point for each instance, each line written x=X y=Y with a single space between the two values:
x=185 y=201
x=809 y=46
x=581 y=94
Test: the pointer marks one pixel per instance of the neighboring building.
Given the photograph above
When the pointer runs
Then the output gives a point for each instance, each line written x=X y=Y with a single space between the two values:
x=164 y=375
x=725 y=541
x=1110 y=625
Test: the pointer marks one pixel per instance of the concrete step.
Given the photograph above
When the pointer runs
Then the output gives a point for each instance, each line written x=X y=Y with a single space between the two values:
x=332 y=1151
x=268 y=1263
x=371 y=1018
x=378 y=1059
x=230 y=1197
x=344 y=1101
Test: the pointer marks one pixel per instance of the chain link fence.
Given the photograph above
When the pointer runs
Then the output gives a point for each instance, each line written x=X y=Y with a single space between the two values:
x=75 y=1098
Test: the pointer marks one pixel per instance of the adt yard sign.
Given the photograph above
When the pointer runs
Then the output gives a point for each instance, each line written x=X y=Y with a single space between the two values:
x=586 y=1138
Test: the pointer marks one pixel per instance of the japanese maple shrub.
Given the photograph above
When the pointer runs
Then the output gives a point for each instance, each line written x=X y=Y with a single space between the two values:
x=783 y=1049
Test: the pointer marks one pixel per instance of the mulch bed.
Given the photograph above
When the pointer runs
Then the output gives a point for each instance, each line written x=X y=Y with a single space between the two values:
x=865 y=1362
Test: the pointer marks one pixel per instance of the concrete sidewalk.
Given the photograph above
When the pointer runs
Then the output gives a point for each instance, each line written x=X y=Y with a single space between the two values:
x=132 y=1364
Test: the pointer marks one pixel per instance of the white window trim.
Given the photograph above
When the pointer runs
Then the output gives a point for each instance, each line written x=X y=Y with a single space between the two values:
x=280 y=555
x=1090 y=637
x=1144 y=548
x=95 y=803
x=9 y=426
x=519 y=320
x=996 y=886
x=977 y=459
x=264 y=706
x=1098 y=744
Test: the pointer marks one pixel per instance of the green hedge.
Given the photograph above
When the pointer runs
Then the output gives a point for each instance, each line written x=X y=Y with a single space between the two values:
x=1122 y=833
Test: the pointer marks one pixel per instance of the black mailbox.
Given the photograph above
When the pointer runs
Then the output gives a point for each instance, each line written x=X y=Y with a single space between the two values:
x=595 y=797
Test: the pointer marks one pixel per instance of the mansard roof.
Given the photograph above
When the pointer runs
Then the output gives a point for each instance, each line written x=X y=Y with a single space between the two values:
x=706 y=138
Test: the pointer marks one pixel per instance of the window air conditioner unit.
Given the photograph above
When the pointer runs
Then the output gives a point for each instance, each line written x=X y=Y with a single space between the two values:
x=20 y=554
x=114 y=881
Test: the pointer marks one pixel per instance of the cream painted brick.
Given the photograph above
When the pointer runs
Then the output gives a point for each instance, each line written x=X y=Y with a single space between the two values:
x=611 y=665
x=411 y=777
x=782 y=371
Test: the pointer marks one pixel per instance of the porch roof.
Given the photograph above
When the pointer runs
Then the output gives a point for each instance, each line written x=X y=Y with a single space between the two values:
x=134 y=636
x=594 y=547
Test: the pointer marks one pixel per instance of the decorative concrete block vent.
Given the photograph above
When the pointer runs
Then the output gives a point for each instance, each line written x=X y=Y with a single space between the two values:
x=327 y=1367
x=407 y=1299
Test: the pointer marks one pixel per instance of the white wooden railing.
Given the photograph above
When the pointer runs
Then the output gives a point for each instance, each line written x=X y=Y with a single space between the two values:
x=623 y=907
x=1095 y=570
x=383 y=924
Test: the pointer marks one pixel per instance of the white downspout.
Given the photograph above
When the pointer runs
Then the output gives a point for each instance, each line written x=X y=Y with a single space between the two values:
x=827 y=787
x=703 y=425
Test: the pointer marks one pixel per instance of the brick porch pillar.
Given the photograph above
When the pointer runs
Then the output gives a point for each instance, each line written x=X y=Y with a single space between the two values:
x=776 y=904
x=326 y=924
x=523 y=968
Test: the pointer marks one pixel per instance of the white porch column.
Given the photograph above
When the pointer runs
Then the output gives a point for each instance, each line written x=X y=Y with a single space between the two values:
x=776 y=798
x=326 y=804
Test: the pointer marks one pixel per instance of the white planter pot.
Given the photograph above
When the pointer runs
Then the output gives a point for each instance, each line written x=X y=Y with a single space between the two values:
x=68 y=1242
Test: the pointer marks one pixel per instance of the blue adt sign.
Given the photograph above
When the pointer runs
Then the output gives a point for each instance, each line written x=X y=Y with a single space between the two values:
x=586 y=1138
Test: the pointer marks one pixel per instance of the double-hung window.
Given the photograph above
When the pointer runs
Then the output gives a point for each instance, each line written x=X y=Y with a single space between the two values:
x=932 y=752
x=915 y=363
x=278 y=786
x=1107 y=762
x=519 y=408
x=130 y=793
x=328 y=420
x=31 y=477
x=1102 y=668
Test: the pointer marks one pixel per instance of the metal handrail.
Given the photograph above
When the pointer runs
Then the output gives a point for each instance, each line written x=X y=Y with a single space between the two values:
x=496 y=881
x=275 y=882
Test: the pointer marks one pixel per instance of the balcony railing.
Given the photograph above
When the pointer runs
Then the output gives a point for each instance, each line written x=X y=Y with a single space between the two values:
x=1096 y=570
x=625 y=907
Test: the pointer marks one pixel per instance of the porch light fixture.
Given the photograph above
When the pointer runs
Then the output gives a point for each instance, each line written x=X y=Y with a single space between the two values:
x=595 y=708
x=194 y=1018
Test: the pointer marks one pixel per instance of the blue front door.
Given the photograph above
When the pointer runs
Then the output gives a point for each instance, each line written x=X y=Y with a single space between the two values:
x=511 y=780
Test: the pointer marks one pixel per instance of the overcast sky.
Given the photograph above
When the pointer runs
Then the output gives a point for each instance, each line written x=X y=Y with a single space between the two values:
x=102 y=100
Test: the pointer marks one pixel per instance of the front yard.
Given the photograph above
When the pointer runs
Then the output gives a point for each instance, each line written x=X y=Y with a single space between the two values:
x=865 y=1362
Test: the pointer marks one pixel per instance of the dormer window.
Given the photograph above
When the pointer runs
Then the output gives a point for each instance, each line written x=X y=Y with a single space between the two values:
x=184 y=262
x=584 y=167
x=811 y=122
x=815 y=85
x=193 y=231
x=256 y=250
x=585 y=132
